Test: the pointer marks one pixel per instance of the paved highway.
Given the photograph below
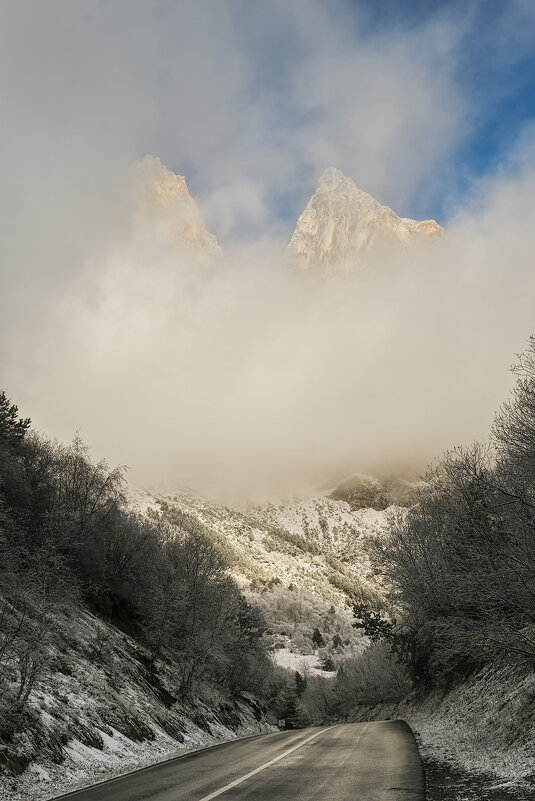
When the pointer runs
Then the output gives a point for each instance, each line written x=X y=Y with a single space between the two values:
x=376 y=761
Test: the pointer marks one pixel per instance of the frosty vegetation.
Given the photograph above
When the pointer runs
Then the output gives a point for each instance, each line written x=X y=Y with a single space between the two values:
x=460 y=567
x=458 y=564
x=462 y=559
x=68 y=539
x=324 y=666
x=71 y=545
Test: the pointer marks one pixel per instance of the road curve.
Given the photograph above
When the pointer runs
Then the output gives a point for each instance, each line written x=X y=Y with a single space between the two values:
x=376 y=761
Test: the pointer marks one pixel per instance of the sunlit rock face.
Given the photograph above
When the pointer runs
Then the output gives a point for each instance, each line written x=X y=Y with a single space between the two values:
x=163 y=200
x=341 y=224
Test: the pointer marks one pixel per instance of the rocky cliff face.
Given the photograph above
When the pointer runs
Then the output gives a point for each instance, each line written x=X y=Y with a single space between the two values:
x=341 y=223
x=162 y=199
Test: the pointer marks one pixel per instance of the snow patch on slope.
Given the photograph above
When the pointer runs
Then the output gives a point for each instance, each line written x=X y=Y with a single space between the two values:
x=102 y=712
x=306 y=664
x=484 y=725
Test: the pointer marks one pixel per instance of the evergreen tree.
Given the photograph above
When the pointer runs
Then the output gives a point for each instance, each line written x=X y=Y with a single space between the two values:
x=300 y=683
x=375 y=625
x=317 y=639
x=337 y=641
x=12 y=427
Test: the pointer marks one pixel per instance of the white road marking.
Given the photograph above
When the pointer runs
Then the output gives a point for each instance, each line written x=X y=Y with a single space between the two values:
x=263 y=767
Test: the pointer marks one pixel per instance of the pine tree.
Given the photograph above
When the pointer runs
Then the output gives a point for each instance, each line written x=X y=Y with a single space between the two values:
x=300 y=683
x=12 y=427
x=317 y=639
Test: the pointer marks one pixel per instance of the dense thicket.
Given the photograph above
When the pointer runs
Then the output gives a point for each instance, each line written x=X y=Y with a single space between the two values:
x=304 y=698
x=67 y=536
x=462 y=559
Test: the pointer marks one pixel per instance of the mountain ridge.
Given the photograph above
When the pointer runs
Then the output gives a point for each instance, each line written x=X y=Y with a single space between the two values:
x=338 y=228
x=162 y=197
x=341 y=223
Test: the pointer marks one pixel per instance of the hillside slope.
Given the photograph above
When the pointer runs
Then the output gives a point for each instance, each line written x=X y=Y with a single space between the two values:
x=302 y=561
x=313 y=542
x=102 y=709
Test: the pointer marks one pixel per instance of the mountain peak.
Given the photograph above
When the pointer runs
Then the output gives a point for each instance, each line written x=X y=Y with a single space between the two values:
x=331 y=177
x=163 y=198
x=161 y=185
x=341 y=223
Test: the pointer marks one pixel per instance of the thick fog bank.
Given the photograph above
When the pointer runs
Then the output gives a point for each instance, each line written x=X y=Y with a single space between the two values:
x=240 y=371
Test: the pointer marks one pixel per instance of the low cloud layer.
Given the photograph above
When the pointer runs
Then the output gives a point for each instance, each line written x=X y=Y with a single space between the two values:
x=245 y=373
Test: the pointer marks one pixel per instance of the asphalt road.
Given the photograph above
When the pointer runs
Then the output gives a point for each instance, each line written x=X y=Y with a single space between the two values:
x=376 y=761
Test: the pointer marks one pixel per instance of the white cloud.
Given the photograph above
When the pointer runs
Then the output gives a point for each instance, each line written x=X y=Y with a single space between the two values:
x=247 y=370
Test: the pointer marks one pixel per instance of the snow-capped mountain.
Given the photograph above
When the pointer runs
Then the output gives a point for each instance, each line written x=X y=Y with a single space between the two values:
x=163 y=200
x=341 y=223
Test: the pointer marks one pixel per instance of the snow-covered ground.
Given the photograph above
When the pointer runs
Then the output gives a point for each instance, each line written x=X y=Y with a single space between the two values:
x=84 y=765
x=485 y=725
x=294 y=540
x=306 y=664
x=101 y=713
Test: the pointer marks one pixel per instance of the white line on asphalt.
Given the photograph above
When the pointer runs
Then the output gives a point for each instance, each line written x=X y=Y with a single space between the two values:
x=263 y=767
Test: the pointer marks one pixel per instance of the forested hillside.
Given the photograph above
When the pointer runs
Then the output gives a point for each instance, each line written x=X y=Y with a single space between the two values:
x=110 y=622
x=461 y=561
x=460 y=565
x=304 y=562
x=132 y=624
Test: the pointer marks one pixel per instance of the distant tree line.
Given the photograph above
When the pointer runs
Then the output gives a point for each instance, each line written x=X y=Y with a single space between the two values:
x=68 y=537
x=461 y=560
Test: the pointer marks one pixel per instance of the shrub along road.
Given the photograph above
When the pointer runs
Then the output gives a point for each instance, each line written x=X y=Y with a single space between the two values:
x=376 y=761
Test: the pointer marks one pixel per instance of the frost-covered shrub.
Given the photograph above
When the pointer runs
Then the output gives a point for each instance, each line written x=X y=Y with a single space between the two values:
x=376 y=675
x=461 y=560
x=67 y=534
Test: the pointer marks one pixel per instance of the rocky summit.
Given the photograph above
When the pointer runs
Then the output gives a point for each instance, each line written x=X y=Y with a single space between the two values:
x=341 y=224
x=163 y=198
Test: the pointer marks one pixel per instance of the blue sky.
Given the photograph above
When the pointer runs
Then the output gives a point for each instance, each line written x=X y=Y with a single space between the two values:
x=482 y=53
x=499 y=77
x=415 y=100
x=495 y=65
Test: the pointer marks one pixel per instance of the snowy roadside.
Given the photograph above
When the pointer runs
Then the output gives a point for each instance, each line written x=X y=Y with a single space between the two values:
x=84 y=766
x=100 y=713
x=485 y=726
x=477 y=740
x=447 y=740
